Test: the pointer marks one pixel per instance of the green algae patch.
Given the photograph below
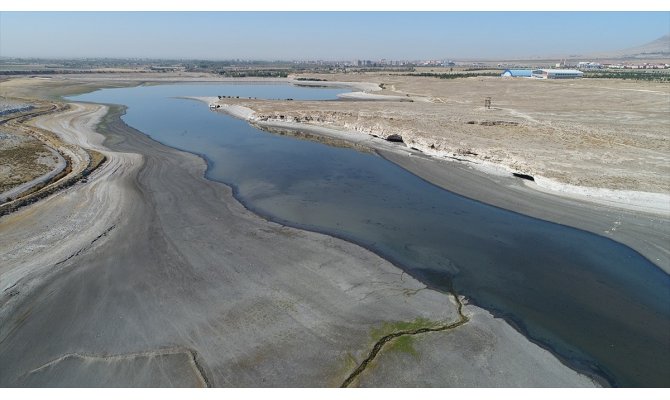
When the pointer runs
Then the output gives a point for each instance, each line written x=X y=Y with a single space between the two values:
x=388 y=328
x=403 y=344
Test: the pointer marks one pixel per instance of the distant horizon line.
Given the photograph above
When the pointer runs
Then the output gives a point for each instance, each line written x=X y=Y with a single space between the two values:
x=307 y=60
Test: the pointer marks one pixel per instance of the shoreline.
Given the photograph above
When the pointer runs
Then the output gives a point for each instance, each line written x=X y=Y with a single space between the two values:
x=123 y=184
x=652 y=203
x=358 y=284
x=87 y=197
x=629 y=200
x=596 y=375
x=629 y=225
x=392 y=150
x=75 y=161
x=472 y=309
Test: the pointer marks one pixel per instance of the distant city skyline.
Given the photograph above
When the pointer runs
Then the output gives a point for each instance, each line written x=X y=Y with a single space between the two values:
x=325 y=35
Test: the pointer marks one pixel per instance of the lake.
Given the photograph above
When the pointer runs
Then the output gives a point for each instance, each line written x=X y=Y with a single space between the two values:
x=597 y=304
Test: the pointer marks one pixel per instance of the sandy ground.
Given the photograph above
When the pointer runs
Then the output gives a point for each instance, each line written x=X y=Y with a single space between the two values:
x=597 y=139
x=641 y=223
x=26 y=164
x=79 y=214
x=150 y=268
x=29 y=179
x=604 y=140
x=212 y=295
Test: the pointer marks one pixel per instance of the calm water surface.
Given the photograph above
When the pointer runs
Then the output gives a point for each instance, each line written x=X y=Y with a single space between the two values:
x=595 y=303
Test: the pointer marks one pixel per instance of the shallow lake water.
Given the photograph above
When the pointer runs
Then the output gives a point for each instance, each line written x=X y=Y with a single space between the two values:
x=597 y=304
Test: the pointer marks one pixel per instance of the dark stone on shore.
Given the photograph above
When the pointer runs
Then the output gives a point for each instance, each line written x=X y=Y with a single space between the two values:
x=524 y=176
x=395 y=138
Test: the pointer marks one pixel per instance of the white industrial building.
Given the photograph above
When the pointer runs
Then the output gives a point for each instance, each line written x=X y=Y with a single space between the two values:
x=523 y=73
x=557 y=74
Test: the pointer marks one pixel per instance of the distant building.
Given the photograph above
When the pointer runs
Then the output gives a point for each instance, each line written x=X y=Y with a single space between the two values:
x=524 y=73
x=588 y=65
x=557 y=74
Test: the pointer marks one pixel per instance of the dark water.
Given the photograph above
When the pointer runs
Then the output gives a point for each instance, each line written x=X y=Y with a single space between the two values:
x=597 y=304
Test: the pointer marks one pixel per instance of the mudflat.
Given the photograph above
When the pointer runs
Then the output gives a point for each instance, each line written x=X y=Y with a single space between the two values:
x=150 y=268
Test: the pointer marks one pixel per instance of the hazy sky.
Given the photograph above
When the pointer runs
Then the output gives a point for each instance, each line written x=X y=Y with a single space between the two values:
x=324 y=35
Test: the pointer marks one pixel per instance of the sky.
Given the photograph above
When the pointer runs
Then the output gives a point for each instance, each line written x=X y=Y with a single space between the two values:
x=324 y=35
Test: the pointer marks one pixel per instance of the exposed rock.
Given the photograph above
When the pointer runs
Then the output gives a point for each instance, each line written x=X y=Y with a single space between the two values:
x=395 y=138
x=524 y=176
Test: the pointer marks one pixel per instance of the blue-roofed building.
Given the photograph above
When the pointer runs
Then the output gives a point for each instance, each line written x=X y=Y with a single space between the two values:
x=516 y=73
x=557 y=74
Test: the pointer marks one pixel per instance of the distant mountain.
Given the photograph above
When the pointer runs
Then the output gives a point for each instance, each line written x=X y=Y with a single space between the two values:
x=659 y=48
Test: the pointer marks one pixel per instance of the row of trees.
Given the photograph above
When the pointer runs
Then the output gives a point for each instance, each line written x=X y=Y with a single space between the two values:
x=659 y=76
x=454 y=76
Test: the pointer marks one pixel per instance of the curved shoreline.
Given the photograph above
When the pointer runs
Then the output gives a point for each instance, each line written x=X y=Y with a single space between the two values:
x=644 y=232
x=367 y=289
x=597 y=375
x=392 y=147
x=415 y=157
x=645 y=202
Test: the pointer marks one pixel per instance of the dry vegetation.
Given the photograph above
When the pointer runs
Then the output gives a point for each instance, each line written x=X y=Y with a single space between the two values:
x=592 y=132
x=23 y=159
x=35 y=162
x=600 y=133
